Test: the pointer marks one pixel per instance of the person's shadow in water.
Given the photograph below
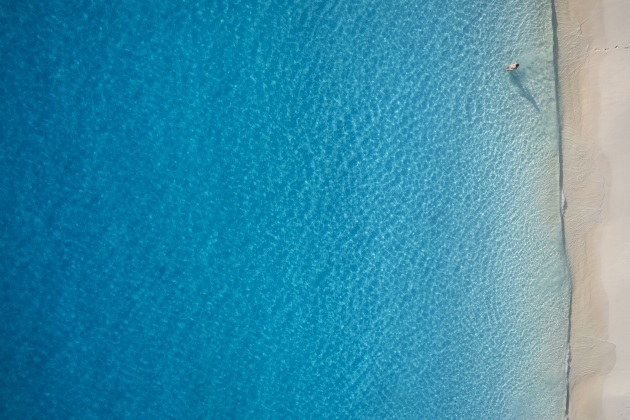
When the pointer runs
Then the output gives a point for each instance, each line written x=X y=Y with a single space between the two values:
x=516 y=81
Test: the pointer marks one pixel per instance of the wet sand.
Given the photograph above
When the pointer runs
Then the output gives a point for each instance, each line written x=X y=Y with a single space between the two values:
x=594 y=74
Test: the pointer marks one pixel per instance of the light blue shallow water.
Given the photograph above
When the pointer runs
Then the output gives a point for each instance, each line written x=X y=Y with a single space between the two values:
x=279 y=210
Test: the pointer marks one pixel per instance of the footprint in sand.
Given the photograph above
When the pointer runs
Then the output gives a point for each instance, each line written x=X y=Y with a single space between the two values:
x=607 y=49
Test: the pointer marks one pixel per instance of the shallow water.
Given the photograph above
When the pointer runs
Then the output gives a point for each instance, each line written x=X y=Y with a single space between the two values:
x=264 y=210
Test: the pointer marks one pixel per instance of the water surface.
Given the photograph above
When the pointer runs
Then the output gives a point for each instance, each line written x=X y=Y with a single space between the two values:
x=266 y=210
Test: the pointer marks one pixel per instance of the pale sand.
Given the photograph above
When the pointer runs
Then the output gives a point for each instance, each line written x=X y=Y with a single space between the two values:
x=594 y=74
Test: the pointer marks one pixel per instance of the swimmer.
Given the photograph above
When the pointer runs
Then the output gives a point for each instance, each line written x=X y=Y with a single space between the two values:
x=512 y=66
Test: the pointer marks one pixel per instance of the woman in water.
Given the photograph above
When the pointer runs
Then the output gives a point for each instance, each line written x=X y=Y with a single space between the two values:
x=512 y=66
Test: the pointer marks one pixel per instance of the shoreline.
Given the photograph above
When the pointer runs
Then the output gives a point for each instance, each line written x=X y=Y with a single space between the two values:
x=593 y=58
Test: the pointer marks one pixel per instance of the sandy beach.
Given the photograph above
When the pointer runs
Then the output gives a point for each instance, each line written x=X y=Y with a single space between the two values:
x=594 y=74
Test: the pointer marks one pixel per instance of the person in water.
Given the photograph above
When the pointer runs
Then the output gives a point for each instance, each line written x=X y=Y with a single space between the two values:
x=512 y=66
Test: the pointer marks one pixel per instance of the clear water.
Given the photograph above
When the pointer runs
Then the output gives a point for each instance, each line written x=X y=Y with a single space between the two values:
x=240 y=209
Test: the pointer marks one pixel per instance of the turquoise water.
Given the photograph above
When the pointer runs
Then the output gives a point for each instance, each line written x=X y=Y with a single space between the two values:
x=280 y=210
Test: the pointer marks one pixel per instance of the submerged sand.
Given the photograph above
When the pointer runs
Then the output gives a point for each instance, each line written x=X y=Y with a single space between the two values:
x=594 y=76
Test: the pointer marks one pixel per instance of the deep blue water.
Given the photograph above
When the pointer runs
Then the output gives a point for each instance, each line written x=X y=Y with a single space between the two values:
x=280 y=210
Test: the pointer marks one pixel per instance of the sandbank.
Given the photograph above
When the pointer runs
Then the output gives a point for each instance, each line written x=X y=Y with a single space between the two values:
x=593 y=38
